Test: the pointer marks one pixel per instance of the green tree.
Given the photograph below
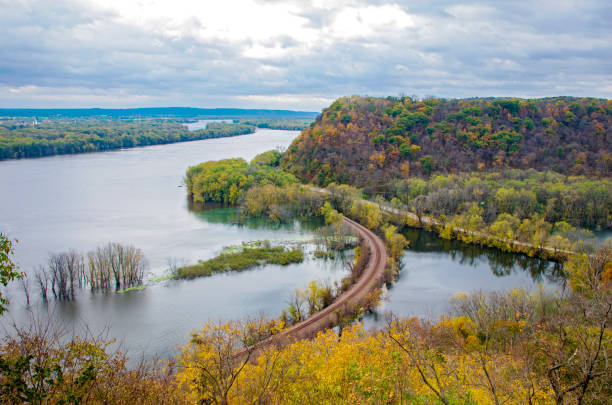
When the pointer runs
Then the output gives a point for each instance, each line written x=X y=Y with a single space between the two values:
x=8 y=269
x=427 y=163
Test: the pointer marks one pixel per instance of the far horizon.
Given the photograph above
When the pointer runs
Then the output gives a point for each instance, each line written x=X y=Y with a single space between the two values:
x=151 y=108
x=297 y=55
x=269 y=109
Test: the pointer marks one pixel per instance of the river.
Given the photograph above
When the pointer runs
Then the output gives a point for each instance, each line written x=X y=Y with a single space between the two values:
x=137 y=196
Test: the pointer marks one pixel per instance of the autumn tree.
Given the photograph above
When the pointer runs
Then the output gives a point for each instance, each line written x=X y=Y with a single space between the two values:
x=8 y=269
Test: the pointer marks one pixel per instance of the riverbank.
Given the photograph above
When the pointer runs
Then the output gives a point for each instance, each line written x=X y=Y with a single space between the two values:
x=99 y=135
x=402 y=216
x=468 y=236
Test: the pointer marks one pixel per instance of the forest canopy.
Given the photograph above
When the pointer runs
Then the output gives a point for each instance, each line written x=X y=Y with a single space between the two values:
x=369 y=142
x=225 y=180
x=577 y=200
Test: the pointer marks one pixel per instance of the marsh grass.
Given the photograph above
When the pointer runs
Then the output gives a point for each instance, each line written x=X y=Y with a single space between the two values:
x=161 y=278
x=136 y=288
x=242 y=259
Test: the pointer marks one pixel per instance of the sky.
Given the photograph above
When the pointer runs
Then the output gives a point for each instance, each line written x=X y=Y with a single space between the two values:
x=297 y=54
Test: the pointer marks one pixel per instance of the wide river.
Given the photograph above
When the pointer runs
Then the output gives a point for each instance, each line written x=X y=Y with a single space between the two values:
x=136 y=196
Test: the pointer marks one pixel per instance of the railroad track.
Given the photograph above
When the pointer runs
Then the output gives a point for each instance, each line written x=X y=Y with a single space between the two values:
x=348 y=301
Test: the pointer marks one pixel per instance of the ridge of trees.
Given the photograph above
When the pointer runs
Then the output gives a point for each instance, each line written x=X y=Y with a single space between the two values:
x=59 y=137
x=370 y=142
x=284 y=124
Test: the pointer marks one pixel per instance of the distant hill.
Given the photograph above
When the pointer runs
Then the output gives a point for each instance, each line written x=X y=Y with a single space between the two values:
x=179 y=112
x=368 y=141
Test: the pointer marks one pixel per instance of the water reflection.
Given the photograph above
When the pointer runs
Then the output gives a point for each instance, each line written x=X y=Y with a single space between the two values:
x=218 y=214
x=434 y=269
x=500 y=263
x=157 y=319
x=131 y=197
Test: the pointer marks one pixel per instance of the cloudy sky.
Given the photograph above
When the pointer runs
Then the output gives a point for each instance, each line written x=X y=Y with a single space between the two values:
x=297 y=54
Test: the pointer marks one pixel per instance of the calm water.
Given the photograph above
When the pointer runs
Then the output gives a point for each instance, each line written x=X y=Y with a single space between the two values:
x=434 y=269
x=132 y=196
x=137 y=196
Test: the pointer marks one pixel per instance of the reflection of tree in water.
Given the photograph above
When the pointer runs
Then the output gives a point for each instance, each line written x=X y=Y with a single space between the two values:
x=501 y=263
x=214 y=213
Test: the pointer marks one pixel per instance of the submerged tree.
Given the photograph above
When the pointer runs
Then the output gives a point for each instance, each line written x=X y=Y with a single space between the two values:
x=111 y=266
x=67 y=272
x=123 y=265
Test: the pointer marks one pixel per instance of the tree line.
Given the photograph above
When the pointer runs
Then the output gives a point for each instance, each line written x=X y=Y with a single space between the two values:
x=577 y=200
x=61 y=136
x=285 y=124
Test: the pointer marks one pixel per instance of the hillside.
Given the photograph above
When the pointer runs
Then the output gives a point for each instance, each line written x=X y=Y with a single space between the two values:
x=368 y=142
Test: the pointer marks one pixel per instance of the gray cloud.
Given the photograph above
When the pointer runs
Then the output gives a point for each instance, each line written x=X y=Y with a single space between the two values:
x=69 y=53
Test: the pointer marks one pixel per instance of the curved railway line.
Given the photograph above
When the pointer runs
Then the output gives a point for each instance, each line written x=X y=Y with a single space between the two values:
x=371 y=277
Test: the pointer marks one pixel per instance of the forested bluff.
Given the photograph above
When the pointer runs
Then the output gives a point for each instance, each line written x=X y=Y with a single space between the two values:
x=371 y=142
x=512 y=168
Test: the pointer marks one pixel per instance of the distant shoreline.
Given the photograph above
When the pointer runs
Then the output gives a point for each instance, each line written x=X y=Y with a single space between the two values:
x=157 y=112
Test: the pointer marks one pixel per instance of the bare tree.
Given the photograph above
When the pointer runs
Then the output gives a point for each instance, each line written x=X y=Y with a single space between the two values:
x=174 y=264
x=67 y=274
x=57 y=267
x=42 y=279
x=25 y=284
x=122 y=264
x=419 y=205
x=75 y=269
